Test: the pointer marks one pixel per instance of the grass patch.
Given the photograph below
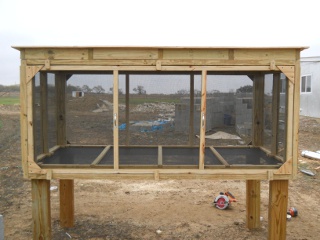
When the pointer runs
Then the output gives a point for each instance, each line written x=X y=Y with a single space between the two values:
x=9 y=100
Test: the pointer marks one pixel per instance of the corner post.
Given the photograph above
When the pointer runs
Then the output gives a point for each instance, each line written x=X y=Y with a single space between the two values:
x=66 y=189
x=41 y=212
x=66 y=203
x=277 y=215
x=253 y=204
x=253 y=186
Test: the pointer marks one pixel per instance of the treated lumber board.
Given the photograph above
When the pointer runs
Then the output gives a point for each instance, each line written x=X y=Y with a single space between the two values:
x=31 y=71
x=66 y=191
x=115 y=119
x=296 y=117
x=289 y=124
x=191 y=116
x=110 y=173
x=41 y=211
x=56 y=53
x=253 y=204
x=23 y=119
x=30 y=125
x=270 y=54
x=164 y=62
x=220 y=158
x=258 y=107
x=288 y=71
x=44 y=112
x=195 y=54
x=127 y=109
x=101 y=155
x=60 y=87
x=275 y=112
x=203 y=119
x=119 y=53
x=277 y=213
x=163 y=68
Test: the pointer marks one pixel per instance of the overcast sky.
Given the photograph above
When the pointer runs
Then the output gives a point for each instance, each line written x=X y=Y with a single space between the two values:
x=154 y=23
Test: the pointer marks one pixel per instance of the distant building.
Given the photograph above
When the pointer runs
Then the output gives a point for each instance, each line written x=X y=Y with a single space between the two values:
x=310 y=87
x=77 y=94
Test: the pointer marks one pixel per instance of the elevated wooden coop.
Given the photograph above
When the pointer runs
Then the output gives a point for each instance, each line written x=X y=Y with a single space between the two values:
x=147 y=113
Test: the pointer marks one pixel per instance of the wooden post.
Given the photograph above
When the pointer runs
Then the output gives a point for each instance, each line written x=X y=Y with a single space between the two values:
x=203 y=119
x=60 y=84
x=296 y=115
x=66 y=186
x=66 y=203
x=115 y=120
x=127 y=109
x=253 y=203
x=44 y=112
x=275 y=112
x=258 y=106
x=253 y=186
x=191 y=116
x=24 y=119
x=278 y=202
x=41 y=212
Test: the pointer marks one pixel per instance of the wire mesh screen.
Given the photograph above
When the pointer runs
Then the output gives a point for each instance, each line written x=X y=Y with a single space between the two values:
x=247 y=156
x=267 y=111
x=159 y=109
x=89 y=109
x=37 y=105
x=282 y=116
x=51 y=110
x=229 y=110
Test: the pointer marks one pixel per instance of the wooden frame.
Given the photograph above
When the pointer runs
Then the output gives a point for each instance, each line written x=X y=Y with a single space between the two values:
x=140 y=60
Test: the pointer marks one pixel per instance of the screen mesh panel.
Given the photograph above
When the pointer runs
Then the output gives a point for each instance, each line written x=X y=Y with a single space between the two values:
x=90 y=109
x=246 y=156
x=73 y=155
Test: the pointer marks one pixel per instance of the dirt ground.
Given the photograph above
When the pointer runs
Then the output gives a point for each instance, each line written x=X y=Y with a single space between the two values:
x=175 y=209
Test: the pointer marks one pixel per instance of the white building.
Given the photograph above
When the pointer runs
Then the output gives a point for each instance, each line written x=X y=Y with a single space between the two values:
x=310 y=87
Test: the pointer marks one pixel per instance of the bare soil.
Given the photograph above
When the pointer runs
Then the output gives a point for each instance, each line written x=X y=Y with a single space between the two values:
x=136 y=209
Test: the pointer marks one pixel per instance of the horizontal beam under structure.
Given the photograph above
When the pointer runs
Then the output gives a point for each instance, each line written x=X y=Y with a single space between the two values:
x=230 y=174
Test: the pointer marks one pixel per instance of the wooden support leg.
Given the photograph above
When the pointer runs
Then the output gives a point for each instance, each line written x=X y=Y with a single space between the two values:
x=66 y=203
x=41 y=212
x=278 y=202
x=253 y=203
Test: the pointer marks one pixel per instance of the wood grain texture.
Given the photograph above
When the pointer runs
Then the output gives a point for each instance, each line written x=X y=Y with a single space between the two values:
x=66 y=191
x=41 y=210
x=277 y=215
x=253 y=204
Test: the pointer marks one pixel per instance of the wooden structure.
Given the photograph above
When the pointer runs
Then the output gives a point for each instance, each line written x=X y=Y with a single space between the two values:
x=251 y=61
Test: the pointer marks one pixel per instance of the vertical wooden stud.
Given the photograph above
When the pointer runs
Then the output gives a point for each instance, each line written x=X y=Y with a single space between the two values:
x=253 y=203
x=191 y=116
x=296 y=115
x=66 y=203
x=258 y=118
x=60 y=84
x=127 y=109
x=275 y=112
x=41 y=212
x=253 y=186
x=115 y=119
x=278 y=203
x=203 y=119
x=289 y=124
x=44 y=112
x=30 y=117
x=24 y=119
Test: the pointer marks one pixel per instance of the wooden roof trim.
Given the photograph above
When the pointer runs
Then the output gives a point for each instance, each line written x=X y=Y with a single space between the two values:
x=162 y=47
